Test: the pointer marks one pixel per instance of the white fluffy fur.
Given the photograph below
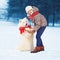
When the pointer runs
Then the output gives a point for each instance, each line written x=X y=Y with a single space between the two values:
x=26 y=39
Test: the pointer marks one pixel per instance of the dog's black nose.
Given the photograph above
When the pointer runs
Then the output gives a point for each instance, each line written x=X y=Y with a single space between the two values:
x=26 y=24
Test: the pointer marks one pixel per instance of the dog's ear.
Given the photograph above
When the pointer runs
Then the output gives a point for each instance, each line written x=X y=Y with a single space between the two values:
x=25 y=18
x=20 y=20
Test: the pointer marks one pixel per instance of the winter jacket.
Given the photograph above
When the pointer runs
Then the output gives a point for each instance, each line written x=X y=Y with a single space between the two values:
x=39 y=20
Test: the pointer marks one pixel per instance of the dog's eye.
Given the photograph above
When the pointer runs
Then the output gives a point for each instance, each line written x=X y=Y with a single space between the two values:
x=23 y=22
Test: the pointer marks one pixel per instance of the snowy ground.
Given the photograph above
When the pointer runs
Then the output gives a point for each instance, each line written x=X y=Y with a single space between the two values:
x=9 y=39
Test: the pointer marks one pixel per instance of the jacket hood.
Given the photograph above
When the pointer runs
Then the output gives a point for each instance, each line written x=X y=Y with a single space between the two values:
x=35 y=8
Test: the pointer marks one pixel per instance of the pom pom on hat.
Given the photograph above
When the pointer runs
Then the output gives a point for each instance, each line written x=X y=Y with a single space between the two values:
x=28 y=8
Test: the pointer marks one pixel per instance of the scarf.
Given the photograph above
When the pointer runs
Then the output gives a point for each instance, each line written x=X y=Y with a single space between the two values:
x=32 y=16
x=22 y=29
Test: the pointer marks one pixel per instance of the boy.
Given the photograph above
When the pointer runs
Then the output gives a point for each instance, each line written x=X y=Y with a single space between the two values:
x=40 y=24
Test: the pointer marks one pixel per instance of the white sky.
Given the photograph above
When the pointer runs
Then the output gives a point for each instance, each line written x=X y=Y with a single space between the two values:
x=3 y=3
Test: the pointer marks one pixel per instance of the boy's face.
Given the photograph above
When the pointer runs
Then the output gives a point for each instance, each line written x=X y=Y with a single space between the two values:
x=30 y=12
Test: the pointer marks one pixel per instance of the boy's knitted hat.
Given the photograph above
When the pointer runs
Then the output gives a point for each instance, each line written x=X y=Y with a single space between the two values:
x=28 y=8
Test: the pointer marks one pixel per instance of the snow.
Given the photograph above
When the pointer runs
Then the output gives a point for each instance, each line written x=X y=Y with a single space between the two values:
x=9 y=39
x=3 y=3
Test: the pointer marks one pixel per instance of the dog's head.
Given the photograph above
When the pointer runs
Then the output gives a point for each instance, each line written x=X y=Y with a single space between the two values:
x=23 y=22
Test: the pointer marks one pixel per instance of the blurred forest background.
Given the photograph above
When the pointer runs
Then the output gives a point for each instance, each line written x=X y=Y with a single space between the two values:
x=13 y=10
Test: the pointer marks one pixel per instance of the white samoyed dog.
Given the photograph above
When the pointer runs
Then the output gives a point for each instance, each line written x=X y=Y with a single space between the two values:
x=26 y=38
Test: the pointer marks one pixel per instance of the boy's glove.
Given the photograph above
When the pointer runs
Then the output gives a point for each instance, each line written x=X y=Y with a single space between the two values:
x=29 y=30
